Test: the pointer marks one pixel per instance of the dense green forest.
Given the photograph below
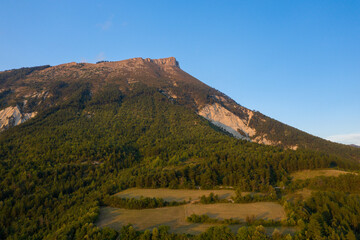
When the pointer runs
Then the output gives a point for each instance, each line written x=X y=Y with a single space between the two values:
x=142 y=203
x=58 y=168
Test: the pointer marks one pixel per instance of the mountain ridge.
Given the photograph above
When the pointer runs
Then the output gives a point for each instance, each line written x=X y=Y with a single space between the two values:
x=36 y=89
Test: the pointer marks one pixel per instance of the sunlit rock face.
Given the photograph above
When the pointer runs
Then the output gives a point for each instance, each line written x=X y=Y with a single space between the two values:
x=171 y=61
x=228 y=121
x=12 y=116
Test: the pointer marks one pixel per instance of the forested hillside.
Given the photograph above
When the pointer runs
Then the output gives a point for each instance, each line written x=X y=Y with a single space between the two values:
x=38 y=89
x=57 y=168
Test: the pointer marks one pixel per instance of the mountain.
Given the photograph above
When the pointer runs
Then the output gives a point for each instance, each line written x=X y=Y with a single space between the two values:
x=26 y=92
x=354 y=145
x=75 y=134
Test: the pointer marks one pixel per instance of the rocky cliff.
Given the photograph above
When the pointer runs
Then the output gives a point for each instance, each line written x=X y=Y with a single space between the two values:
x=13 y=116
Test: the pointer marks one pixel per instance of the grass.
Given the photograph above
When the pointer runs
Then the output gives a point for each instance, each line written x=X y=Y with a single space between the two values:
x=261 y=210
x=175 y=217
x=306 y=174
x=174 y=194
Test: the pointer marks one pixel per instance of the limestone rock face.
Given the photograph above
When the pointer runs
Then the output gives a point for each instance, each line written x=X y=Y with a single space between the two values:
x=12 y=116
x=228 y=121
x=170 y=61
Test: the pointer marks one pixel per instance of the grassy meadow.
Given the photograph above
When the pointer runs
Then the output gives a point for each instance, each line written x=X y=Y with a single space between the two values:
x=175 y=217
x=306 y=174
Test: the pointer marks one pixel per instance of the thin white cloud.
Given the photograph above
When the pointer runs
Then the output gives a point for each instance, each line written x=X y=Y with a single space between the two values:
x=353 y=138
x=105 y=25
x=100 y=56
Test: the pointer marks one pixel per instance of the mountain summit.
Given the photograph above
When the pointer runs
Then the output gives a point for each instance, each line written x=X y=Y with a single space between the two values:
x=170 y=61
x=27 y=92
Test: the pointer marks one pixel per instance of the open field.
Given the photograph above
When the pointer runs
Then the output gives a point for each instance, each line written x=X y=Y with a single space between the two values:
x=261 y=210
x=175 y=217
x=174 y=194
x=306 y=174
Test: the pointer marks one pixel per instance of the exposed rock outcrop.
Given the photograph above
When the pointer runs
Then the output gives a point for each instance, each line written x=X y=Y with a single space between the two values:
x=12 y=116
x=238 y=127
x=228 y=121
x=170 y=61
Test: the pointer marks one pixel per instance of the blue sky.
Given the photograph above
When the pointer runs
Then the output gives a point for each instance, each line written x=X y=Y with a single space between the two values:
x=295 y=61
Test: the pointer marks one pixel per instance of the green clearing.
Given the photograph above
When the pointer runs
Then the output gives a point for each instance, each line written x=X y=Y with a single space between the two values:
x=175 y=217
x=306 y=174
x=174 y=194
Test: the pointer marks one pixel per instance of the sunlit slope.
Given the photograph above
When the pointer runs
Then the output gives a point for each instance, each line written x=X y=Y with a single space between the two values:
x=34 y=90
